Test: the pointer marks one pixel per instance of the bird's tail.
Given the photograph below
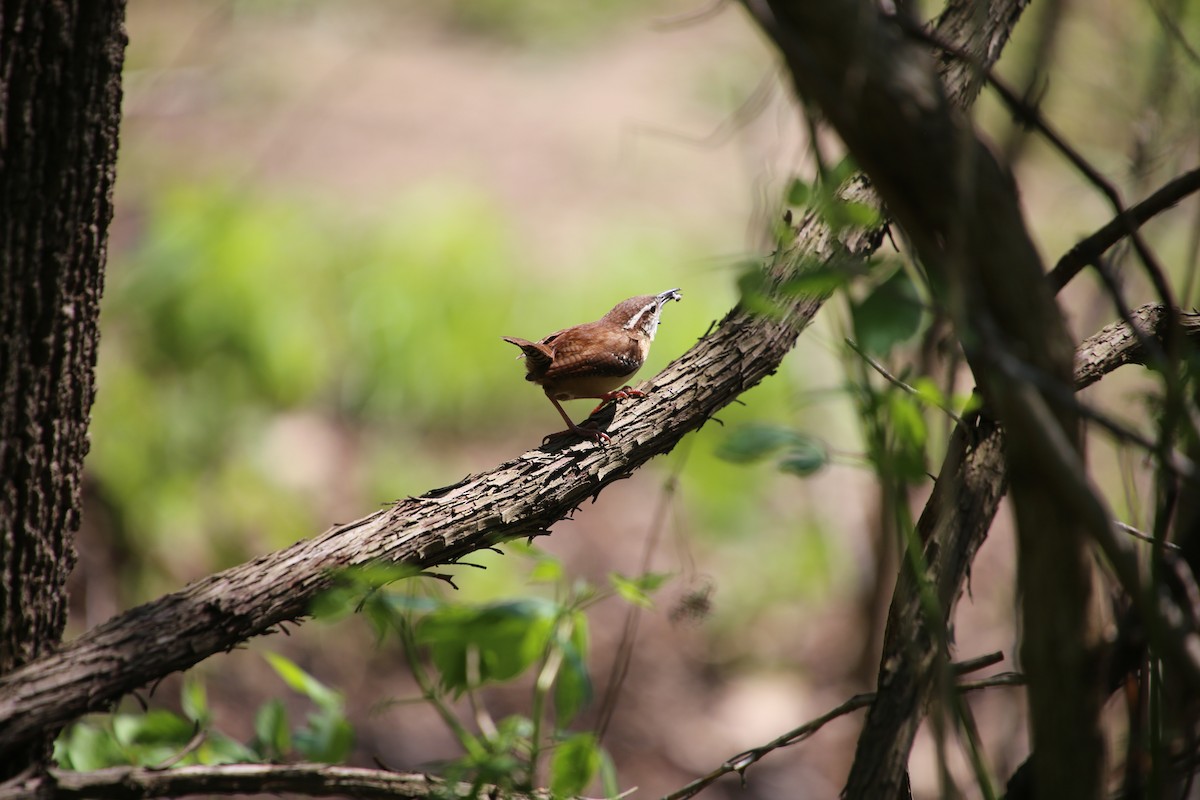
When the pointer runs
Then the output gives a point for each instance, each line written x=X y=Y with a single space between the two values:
x=537 y=355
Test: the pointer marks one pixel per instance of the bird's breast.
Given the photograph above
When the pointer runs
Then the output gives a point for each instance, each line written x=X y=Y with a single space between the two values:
x=586 y=386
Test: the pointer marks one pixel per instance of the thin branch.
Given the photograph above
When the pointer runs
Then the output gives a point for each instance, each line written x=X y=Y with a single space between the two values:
x=747 y=758
x=882 y=370
x=1091 y=248
x=1029 y=115
x=1135 y=533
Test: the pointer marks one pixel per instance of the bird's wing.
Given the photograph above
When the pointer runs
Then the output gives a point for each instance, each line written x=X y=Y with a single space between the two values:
x=577 y=352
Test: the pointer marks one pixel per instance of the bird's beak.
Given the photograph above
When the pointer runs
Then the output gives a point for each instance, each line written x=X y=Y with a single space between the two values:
x=669 y=294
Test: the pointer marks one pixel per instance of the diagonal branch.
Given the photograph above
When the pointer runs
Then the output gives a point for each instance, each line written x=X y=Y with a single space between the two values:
x=522 y=497
x=1091 y=248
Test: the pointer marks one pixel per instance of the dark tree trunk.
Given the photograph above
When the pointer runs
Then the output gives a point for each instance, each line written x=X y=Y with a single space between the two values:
x=60 y=93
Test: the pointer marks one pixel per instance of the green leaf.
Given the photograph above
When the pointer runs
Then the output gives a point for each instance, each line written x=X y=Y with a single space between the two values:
x=889 y=315
x=929 y=392
x=193 y=698
x=300 y=681
x=804 y=457
x=754 y=292
x=156 y=727
x=328 y=738
x=84 y=747
x=508 y=637
x=608 y=775
x=220 y=749
x=821 y=280
x=841 y=172
x=799 y=193
x=859 y=215
x=909 y=434
x=273 y=738
x=629 y=590
x=546 y=570
x=573 y=685
x=574 y=765
x=754 y=442
x=356 y=587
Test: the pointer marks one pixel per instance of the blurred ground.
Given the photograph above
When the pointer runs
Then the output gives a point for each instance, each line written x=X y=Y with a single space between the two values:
x=328 y=214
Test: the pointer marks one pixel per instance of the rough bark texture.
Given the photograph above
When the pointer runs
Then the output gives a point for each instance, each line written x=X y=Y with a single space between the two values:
x=952 y=527
x=522 y=497
x=60 y=93
x=959 y=208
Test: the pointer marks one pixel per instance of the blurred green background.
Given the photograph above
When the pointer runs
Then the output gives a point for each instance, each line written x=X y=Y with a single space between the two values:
x=328 y=213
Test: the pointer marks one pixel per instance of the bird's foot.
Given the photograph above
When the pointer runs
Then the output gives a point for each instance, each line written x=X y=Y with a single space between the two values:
x=624 y=393
x=584 y=432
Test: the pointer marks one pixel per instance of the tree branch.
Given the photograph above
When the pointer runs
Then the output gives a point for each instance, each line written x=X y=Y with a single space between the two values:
x=522 y=497
x=1091 y=248
x=747 y=758
x=309 y=780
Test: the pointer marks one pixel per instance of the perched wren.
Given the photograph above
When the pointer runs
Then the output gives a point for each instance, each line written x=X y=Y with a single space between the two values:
x=594 y=359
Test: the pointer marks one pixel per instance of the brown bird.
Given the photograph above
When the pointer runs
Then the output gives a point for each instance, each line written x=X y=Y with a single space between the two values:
x=594 y=359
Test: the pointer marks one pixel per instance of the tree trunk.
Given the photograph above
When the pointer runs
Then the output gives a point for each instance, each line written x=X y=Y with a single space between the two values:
x=60 y=93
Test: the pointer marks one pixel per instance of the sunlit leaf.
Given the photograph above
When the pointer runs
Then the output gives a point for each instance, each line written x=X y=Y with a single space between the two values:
x=909 y=434
x=608 y=775
x=193 y=699
x=547 y=570
x=507 y=638
x=574 y=765
x=300 y=681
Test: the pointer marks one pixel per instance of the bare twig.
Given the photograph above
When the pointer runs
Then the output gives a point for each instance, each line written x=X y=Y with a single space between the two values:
x=747 y=758
x=1089 y=249
x=882 y=370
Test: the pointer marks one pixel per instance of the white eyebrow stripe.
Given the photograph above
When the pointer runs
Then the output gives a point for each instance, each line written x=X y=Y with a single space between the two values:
x=633 y=321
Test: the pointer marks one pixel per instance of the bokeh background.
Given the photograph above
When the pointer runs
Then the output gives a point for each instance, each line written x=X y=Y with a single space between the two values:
x=328 y=213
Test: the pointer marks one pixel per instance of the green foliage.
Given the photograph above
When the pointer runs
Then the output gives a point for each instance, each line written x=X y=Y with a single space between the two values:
x=471 y=646
x=454 y=648
x=575 y=763
x=802 y=455
x=636 y=590
x=823 y=198
x=890 y=315
x=160 y=736
x=327 y=737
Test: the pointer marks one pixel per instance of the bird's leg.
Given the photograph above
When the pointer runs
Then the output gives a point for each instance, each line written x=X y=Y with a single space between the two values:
x=596 y=436
x=624 y=393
